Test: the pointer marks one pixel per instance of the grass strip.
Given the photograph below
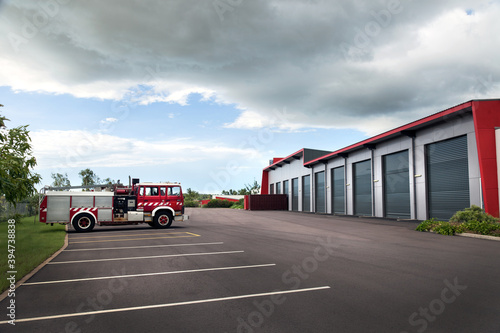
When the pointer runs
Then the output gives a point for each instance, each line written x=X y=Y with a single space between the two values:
x=35 y=242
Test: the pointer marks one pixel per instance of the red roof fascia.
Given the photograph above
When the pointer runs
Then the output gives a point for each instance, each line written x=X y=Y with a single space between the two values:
x=397 y=130
x=275 y=162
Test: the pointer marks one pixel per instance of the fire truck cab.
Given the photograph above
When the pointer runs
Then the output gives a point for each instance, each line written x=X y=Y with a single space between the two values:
x=157 y=204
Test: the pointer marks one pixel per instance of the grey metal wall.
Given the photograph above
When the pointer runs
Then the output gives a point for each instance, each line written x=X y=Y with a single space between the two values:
x=295 y=169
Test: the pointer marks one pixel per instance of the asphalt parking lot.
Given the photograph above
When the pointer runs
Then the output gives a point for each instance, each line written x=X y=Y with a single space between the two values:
x=241 y=271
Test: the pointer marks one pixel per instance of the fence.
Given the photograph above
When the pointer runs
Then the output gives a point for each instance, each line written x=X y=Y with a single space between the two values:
x=266 y=202
x=8 y=210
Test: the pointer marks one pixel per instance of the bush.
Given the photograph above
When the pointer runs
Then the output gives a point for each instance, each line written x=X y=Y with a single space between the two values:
x=474 y=213
x=191 y=203
x=473 y=219
x=444 y=228
x=238 y=205
x=460 y=228
x=427 y=225
x=218 y=203
x=482 y=227
x=16 y=216
x=439 y=227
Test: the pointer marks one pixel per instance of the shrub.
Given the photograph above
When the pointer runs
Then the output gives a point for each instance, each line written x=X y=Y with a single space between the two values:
x=474 y=213
x=239 y=205
x=218 y=203
x=473 y=219
x=444 y=228
x=17 y=217
x=482 y=227
x=191 y=203
x=460 y=228
x=427 y=225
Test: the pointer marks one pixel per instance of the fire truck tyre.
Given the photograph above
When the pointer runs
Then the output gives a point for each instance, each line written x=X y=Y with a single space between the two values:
x=163 y=219
x=84 y=222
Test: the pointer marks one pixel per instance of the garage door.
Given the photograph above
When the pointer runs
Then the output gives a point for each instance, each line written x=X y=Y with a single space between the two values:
x=295 y=194
x=306 y=193
x=319 y=196
x=447 y=177
x=362 y=176
x=397 y=185
x=338 y=187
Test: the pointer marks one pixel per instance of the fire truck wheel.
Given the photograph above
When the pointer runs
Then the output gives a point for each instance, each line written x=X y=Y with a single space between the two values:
x=163 y=219
x=84 y=222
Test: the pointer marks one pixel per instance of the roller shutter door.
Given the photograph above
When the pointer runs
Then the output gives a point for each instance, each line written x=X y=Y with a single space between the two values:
x=447 y=177
x=397 y=185
x=362 y=175
x=320 y=192
x=295 y=194
x=306 y=193
x=285 y=191
x=338 y=190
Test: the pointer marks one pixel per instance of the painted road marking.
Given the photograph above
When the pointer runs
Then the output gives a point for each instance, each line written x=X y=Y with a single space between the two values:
x=149 y=274
x=143 y=247
x=128 y=235
x=133 y=239
x=148 y=257
x=165 y=305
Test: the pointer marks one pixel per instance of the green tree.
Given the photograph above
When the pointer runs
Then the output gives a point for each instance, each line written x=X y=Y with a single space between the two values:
x=89 y=177
x=107 y=181
x=253 y=188
x=60 y=180
x=230 y=192
x=191 y=195
x=17 y=180
x=32 y=204
x=248 y=189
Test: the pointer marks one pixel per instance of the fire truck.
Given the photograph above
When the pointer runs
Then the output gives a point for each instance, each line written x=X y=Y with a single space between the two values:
x=157 y=204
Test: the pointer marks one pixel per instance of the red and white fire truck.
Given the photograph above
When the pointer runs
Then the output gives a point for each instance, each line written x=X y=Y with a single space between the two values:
x=157 y=204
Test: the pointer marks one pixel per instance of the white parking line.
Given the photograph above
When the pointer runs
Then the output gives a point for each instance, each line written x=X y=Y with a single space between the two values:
x=143 y=247
x=147 y=257
x=127 y=235
x=165 y=305
x=148 y=274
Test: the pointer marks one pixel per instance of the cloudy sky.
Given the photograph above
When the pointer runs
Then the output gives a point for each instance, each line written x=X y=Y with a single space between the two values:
x=206 y=92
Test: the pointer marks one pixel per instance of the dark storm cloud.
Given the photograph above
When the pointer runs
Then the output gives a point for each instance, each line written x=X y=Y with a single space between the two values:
x=363 y=64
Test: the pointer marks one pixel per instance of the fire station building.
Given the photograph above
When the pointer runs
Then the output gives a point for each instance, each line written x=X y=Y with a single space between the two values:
x=431 y=167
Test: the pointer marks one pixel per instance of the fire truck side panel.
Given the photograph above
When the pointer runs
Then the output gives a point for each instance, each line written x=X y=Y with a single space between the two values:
x=105 y=214
x=58 y=209
x=82 y=202
x=135 y=216
x=104 y=202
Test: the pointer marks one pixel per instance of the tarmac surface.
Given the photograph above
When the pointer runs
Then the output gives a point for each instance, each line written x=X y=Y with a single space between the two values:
x=263 y=271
